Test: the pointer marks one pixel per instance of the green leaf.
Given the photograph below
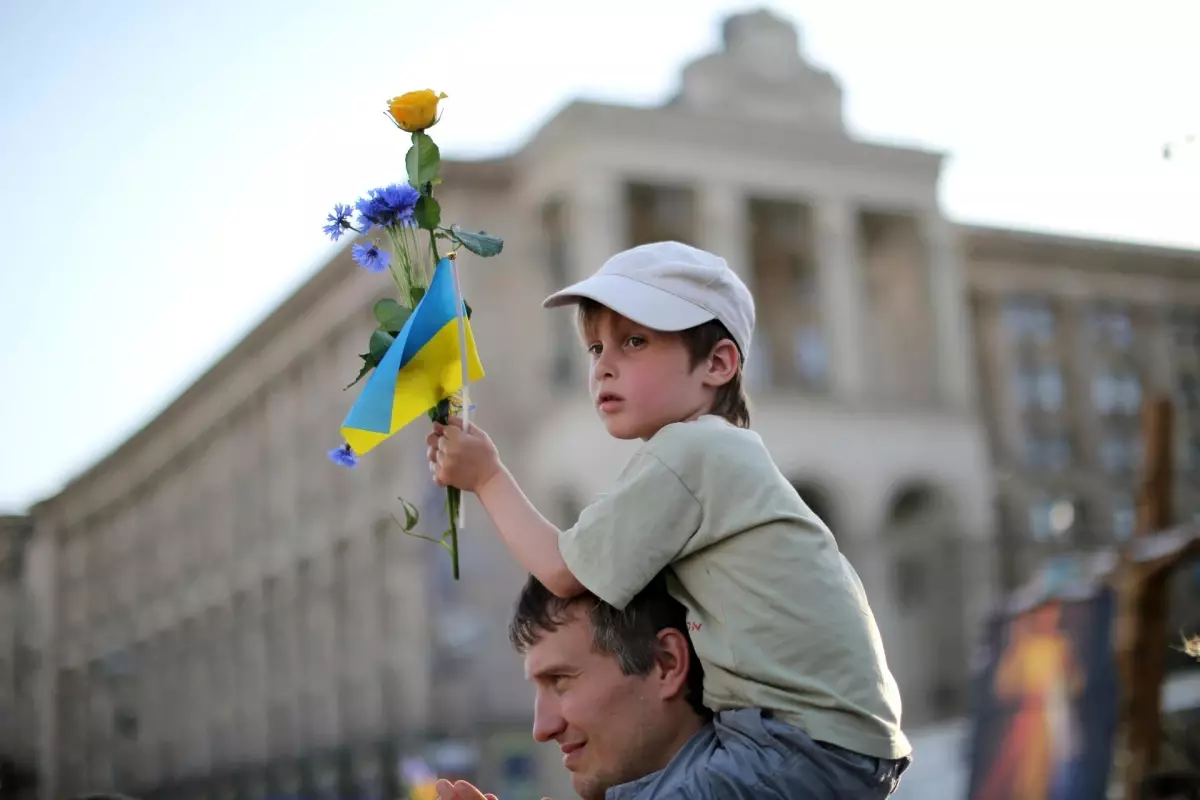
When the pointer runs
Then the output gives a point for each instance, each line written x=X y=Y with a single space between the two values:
x=380 y=342
x=367 y=366
x=428 y=213
x=376 y=349
x=481 y=244
x=423 y=160
x=416 y=294
x=391 y=315
x=411 y=515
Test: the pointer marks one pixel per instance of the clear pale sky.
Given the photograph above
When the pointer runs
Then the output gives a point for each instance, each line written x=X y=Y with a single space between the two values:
x=165 y=167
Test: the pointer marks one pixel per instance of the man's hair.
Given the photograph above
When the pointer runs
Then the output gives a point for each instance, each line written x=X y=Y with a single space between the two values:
x=731 y=402
x=629 y=636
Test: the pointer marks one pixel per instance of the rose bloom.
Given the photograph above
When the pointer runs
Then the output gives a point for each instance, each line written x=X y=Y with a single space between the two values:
x=415 y=111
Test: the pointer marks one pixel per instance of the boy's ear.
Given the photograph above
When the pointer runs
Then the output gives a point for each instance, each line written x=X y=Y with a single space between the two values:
x=723 y=363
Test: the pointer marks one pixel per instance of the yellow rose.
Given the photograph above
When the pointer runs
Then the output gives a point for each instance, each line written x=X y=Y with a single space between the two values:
x=415 y=111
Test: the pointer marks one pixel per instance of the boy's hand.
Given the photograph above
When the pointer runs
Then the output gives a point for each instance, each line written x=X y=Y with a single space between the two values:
x=466 y=460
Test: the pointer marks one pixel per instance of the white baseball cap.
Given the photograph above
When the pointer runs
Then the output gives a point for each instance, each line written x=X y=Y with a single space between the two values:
x=669 y=286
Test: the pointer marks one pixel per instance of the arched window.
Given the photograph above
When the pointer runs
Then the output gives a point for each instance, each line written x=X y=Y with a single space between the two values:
x=924 y=552
x=818 y=500
x=566 y=507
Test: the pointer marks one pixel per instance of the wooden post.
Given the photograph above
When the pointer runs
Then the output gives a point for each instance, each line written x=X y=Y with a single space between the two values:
x=1141 y=628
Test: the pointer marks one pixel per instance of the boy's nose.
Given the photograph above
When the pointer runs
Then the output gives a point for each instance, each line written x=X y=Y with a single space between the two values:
x=603 y=368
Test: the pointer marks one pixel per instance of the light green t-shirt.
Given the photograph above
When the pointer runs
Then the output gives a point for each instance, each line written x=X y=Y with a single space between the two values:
x=777 y=615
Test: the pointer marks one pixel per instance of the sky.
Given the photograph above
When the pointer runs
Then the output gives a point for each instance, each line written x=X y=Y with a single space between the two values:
x=165 y=167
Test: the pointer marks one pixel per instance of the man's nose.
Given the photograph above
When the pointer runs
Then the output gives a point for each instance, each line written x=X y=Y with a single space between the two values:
x=547 y=720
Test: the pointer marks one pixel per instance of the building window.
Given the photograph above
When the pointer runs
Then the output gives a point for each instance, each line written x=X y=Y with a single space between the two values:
x=1029 y=319
x=1120 y=452
x=1112 y=326
x=912 y=579
x=786 y=278
x=811 y=356
x=1117 y=391
x=1040 y=387
x=1191 y=454
x=1124 y=516
x=567 y=508
x=661 y=213
x=1048 y=452
x=1052 y=518
x=1189 y=391
x=520 y=769
x=758 y=372
x=1185 y=329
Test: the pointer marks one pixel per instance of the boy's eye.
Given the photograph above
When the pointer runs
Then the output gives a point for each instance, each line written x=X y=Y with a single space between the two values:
x=636 y=341
x=594 y=348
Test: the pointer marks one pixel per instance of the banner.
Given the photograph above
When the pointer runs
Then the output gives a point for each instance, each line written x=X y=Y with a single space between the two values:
x=1046 y=703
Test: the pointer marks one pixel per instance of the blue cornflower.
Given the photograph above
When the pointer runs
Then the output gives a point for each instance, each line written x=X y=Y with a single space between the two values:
x=391 y=205
x=343 y=456
x=370 y=257
x=339 y=221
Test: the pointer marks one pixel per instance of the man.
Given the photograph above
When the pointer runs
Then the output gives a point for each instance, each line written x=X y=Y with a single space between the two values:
x=620 y=692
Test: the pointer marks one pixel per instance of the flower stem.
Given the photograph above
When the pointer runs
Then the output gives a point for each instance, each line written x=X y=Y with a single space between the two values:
x=412 y=235
x=402 y=256
x=453 y=500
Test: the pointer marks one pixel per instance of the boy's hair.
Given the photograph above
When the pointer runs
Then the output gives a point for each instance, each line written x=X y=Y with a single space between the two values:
x=730 y=402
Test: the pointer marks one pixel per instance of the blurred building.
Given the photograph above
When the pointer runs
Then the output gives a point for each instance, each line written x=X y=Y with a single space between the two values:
x=1071 y=335
x=18 y=754
x=223 y=613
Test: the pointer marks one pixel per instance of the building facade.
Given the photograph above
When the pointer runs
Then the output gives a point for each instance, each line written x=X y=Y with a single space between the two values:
x=18 y=754
x=220 y=612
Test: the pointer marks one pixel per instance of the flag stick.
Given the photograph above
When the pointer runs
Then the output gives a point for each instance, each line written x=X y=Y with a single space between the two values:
x=462 y=355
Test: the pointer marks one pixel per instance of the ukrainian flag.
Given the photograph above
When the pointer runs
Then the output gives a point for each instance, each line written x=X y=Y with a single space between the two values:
x=421 y=368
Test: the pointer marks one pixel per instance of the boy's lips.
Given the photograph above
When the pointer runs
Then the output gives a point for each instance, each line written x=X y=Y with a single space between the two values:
x=608 y=400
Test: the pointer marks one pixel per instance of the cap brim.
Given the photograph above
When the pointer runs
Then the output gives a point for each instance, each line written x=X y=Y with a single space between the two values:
x=643 y=304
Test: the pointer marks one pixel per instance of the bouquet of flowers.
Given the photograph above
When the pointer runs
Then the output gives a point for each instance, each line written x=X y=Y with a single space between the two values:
x=421 y=356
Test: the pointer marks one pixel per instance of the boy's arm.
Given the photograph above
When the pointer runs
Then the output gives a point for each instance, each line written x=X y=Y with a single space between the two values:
x=621 y=540
x=529 y=535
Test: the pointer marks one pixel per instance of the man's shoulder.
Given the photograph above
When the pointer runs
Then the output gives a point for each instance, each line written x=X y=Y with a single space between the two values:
x=670 y=781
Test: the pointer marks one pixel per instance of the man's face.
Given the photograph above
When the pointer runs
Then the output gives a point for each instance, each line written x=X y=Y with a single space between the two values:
x=611 y=727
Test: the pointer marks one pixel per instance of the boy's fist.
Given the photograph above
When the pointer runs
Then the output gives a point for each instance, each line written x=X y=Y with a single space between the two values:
x=465 y=459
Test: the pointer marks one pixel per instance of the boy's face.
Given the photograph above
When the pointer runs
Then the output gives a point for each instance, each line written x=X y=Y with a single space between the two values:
x=641 y=379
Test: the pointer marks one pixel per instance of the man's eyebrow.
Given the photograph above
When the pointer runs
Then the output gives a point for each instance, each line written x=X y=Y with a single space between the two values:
x=553 y=668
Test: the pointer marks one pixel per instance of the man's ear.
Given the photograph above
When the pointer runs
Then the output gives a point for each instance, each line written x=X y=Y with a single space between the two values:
x=673 y=663
x=723 y=364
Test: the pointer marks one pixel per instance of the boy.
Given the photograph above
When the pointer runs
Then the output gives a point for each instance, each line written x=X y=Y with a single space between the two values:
x=777 y=615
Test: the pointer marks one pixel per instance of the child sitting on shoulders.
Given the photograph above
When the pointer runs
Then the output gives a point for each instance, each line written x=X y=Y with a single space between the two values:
x=791 y=653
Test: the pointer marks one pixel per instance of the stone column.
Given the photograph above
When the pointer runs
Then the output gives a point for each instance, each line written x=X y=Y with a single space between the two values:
x=595 y=223
x=953 y=335
x=1153 y=326
x=1075 y=356
x=43 y=567
x=723 y=228
x=843 y=298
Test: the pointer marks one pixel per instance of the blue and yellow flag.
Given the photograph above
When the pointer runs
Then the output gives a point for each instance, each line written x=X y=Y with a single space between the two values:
x=421 y=368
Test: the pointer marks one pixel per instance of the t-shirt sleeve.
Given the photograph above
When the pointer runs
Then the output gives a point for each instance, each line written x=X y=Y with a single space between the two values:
x=629 y=535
